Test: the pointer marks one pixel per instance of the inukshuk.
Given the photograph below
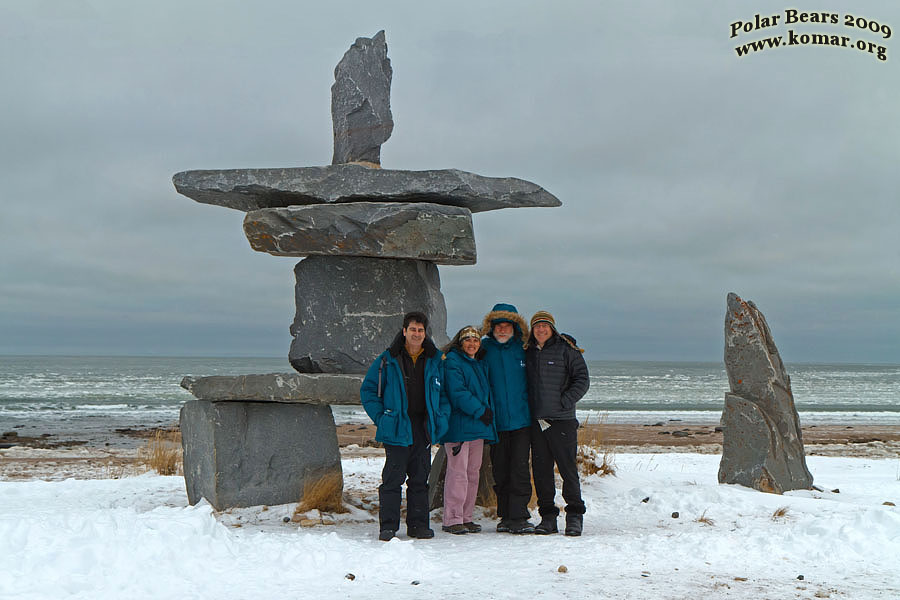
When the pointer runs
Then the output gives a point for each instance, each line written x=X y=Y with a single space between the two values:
x=762 y=446
x=373 y=237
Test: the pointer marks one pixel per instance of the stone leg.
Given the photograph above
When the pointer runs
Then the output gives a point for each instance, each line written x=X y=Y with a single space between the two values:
x=485 y=497
x=239 y=454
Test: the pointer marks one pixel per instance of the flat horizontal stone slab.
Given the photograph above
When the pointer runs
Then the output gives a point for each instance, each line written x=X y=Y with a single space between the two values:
x=420 y=231
x=252 y=189
x=277 y=387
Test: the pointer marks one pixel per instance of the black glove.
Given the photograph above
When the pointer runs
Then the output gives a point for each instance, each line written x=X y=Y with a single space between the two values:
x=487 y=417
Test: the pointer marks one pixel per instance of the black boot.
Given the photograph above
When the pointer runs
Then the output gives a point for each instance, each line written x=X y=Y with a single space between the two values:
x=574 y=524
x=546 y=526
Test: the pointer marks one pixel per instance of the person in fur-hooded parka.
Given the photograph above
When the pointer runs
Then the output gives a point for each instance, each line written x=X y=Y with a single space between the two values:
x=505 y=331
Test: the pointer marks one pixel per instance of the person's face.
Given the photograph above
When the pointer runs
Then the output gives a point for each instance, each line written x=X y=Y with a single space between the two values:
x=542 y=332
x=470 y=345
x=414 y=334
x=503 y=331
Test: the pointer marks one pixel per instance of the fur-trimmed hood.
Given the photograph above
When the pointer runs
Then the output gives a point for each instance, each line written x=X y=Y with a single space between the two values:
x=563 y=336
x=399 y=341
x=518 y=321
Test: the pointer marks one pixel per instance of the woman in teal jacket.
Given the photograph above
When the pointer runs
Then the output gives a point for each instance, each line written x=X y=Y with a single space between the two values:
x=471 y=423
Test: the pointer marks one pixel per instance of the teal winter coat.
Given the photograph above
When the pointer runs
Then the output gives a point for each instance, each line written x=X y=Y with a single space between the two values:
x=509 y=383
x=467 y=390
x=388 y=410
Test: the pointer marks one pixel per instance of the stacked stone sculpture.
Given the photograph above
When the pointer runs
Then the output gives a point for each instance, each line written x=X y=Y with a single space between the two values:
x=763 y=445
x=372 y=239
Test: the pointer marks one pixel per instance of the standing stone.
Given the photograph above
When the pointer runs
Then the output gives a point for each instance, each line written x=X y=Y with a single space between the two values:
x=349 y=309
x=240 y=454
x=422 y=231
x=361 y=101
x=762 y=446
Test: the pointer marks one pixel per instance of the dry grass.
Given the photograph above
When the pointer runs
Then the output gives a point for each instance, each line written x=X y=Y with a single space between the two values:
x=780 y=513
x=162 y=453
x=705 y=520
x=324 y=494
x=592 y=445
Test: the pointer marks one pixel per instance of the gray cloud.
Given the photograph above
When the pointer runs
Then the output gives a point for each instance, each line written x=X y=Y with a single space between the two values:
x=685 y=171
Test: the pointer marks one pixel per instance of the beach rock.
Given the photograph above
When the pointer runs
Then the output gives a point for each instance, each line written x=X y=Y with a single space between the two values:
x=762 y=444
x=252 y=189
x=277 y=387
x=422 y=231
x=239 y=454
x=349 y=309
x=361 y=101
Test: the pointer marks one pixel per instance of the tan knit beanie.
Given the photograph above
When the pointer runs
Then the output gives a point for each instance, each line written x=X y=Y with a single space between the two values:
x=542 y=316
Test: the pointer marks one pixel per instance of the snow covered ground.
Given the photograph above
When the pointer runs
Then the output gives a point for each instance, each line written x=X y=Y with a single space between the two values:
x=138 y=538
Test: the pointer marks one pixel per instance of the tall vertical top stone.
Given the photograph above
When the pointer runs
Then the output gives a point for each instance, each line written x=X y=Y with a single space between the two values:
x=361 y=102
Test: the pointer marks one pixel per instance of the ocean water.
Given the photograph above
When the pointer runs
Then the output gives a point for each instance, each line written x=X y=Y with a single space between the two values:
x=92 y=395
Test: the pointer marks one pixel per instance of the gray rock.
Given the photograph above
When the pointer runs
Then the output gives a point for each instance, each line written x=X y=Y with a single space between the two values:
x=349 y=309
x=422 y=231
x=255 y=453
x=252 y=189
x=762 y=442
x=361 y=101
x=277 y=387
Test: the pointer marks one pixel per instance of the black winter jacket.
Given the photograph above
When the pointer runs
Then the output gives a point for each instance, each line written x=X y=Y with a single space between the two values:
x=557 y=378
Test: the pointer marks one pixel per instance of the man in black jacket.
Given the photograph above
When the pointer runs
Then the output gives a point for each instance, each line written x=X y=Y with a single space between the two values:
x=557 y=379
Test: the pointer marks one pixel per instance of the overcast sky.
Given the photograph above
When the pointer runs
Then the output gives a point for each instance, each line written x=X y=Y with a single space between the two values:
x=685 y=171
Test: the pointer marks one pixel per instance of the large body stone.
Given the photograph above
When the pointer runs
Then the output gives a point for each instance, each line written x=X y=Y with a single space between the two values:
x=255 y=453
x=252 y=189
x=349 y=309
x=361 y=101
x=762 y=446
x=319 y=388
x=440 y=234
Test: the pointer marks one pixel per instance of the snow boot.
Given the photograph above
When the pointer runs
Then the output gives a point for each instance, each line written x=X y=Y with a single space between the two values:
x=420 y=532
x=574 y=524
x=520 y=526
x=472 y=527
x=503 y=526
x=546 y=526
x=386 y=535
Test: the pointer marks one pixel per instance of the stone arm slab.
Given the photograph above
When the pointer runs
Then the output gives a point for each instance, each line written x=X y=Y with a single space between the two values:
x=316 y=388
x=421 y=231
x=252 y=189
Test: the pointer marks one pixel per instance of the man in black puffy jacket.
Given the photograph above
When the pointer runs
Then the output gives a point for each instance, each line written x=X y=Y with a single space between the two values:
x=557 y=379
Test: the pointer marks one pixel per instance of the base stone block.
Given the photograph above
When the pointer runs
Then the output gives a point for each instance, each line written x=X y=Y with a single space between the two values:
x=239 y=454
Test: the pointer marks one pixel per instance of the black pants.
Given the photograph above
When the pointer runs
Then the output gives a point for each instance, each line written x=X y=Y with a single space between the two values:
x=412 y=465
x=512 y=481
x=556 y=444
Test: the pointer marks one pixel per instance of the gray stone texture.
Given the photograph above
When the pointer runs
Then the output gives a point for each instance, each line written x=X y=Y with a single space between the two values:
x=763 y=446
x=252 y=189
x=239 y=454
x=361 y=101
x=421 y=231
x=304 y=388
x=349 y=309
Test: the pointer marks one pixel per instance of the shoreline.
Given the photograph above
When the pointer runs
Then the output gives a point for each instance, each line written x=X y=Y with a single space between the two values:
x=115 y=452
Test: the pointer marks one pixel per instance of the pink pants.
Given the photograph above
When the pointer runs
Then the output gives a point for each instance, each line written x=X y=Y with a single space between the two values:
x=461 y=481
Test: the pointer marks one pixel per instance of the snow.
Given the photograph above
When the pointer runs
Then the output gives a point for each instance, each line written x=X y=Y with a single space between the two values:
x=137 y=537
